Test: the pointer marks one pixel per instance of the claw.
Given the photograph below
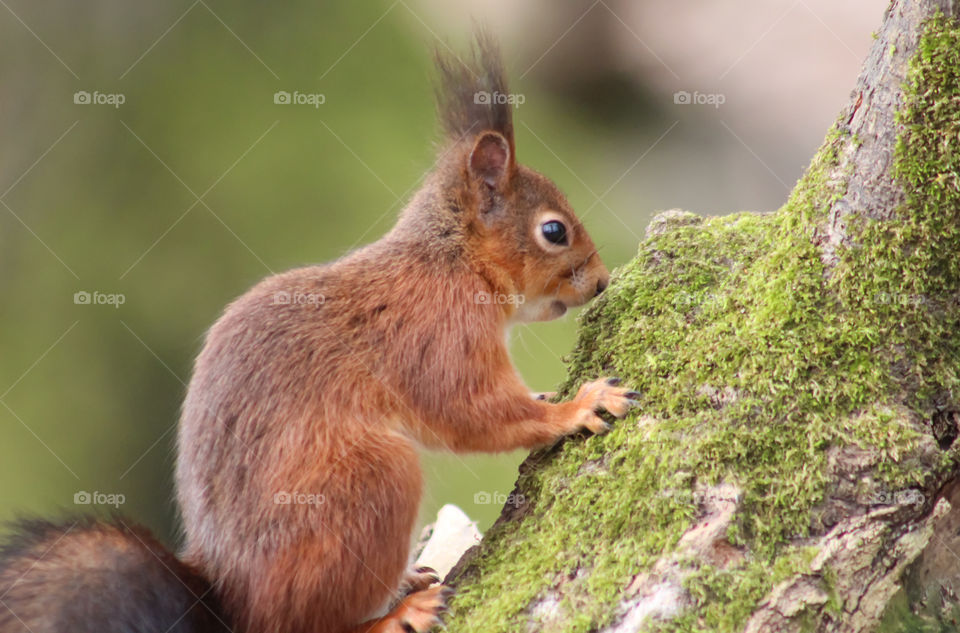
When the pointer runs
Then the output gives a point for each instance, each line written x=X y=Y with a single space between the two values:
x=428 y=571
x=600 y=429
x=614 y=381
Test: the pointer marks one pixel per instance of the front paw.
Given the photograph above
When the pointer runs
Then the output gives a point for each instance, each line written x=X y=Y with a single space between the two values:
x=604 y=394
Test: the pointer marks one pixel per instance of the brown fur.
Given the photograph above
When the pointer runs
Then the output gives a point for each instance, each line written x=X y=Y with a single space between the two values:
x=321 y=383
x=330 y=393
x=459 y=81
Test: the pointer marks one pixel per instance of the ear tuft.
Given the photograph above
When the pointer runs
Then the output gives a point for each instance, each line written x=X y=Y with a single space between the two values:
x=490 y=159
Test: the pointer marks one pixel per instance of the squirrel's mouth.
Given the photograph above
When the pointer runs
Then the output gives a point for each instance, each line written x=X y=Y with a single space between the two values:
x=540 y=309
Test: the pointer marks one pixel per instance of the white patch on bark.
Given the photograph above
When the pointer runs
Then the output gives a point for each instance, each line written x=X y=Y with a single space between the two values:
x=866 y=556
x=659 y=594
x=447 y=540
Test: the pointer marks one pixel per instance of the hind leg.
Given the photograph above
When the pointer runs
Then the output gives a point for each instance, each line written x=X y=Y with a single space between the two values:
x=335 y=563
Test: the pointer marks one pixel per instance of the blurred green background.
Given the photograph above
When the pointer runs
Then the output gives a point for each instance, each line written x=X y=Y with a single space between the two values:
x=198 y=185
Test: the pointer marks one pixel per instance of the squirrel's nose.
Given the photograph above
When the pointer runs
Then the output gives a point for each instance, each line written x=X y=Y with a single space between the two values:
x=602 y=284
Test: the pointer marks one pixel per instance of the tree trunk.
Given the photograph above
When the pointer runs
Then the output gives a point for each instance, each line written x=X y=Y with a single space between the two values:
x=792 y=465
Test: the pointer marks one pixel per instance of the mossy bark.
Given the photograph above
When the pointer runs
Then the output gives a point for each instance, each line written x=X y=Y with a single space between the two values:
x=792 y=465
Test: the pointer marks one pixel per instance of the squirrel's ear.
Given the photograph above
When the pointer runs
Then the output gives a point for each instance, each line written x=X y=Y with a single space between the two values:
x=490 y=159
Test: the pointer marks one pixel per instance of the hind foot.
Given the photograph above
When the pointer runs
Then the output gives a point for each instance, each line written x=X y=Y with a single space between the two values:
x=417 y=613
x=417 y=579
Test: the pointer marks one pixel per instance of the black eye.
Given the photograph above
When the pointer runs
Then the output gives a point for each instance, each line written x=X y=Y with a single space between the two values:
x=555 y=232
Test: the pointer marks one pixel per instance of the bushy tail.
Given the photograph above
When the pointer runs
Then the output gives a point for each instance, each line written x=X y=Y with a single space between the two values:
x=92 y=576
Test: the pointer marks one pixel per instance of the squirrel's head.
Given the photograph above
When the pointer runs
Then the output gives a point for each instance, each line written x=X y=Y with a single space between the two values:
x=521 y=225
x=518 y=224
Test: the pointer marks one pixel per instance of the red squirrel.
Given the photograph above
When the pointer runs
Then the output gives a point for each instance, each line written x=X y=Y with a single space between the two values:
x=297 y=474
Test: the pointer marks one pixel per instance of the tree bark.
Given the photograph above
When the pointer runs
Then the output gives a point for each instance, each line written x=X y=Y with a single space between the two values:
x=793 y=465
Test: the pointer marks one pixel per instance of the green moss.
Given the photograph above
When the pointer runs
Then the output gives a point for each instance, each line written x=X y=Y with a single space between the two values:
x=752 y=361
x=920 y=613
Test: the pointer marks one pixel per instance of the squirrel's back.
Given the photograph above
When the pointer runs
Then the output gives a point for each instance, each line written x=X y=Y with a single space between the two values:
x=91 y=576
